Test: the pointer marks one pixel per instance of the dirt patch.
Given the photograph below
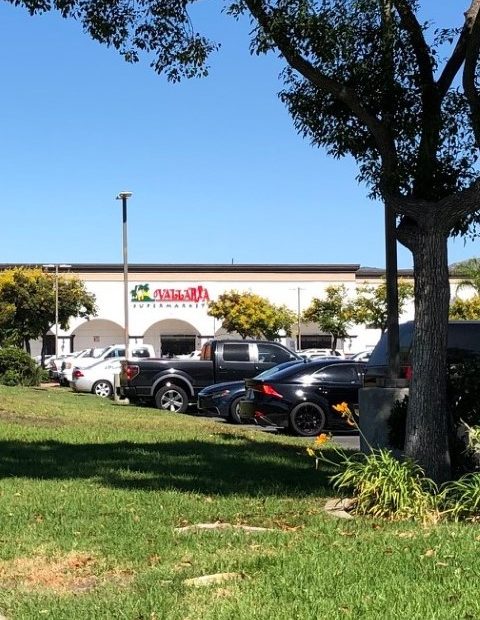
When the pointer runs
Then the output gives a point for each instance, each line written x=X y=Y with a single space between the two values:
x=71 y=574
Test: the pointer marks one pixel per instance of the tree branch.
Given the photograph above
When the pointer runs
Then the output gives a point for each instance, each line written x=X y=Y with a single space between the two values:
x=470 y=68
x=381 y=135
x=422 y=52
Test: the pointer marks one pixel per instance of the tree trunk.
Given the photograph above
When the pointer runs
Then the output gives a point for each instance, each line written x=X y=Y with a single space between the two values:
x=427 y=419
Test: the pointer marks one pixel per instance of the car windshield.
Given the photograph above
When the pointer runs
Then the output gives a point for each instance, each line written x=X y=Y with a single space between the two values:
x=266 y=374
x=97 y=352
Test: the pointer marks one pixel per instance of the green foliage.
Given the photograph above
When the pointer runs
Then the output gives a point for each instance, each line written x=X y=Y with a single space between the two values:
x=460 y=499
x=370 y=305
x=465 y=309
x=469 y=271
x=18 y=368
x=27 y=303
x=135 y=29
x=251 y=315
x=332 y=314
x=385 y=487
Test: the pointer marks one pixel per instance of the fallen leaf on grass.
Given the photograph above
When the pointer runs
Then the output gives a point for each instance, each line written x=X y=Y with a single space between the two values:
x=208 y=580
x=428 y=553
x=222 y=526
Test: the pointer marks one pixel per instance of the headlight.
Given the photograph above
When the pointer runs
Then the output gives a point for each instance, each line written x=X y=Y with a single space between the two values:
x=221 y=394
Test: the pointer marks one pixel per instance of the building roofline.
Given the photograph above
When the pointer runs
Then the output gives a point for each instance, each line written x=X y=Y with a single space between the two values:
x=195 y=267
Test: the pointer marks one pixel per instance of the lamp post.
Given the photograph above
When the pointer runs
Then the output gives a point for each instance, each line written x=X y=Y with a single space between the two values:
x=299 y=343
x=56 y=267
x=124 y=196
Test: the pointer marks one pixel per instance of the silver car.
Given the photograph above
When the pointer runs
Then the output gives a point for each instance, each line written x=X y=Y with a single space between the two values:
x=99 y=378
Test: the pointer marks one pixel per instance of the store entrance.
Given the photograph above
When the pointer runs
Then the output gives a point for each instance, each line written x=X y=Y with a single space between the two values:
x=173 y=345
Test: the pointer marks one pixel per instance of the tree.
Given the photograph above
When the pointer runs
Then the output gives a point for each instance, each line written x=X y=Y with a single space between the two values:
x=469 y=271
x=364 y=78
x=465 y=309
x=251 y=315
x=370 y=305
x=332 y=314
x=28 y=297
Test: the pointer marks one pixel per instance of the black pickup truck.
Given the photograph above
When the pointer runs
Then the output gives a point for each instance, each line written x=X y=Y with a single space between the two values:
x=173 y=383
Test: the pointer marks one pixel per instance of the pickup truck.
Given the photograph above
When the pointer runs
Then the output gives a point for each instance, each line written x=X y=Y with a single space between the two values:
x=174 y=383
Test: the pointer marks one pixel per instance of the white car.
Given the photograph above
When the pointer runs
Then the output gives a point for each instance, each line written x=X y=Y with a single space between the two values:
x=316 y=353
x=72 y=360
x=97 y=379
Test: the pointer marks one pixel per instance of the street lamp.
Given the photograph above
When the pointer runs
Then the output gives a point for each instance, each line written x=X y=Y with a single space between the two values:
x=124 y=196
x=298 y=289
x=56 y=267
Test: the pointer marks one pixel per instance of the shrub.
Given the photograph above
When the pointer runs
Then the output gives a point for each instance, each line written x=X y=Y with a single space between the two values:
x=463 y=396
x=18 y=368
x=385 y=487
x=461 y=499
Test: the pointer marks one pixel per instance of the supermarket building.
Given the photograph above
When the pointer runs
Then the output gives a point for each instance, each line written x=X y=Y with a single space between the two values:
x=168 y=304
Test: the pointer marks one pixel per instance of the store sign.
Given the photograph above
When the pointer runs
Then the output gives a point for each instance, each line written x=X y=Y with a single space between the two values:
x=142 y=293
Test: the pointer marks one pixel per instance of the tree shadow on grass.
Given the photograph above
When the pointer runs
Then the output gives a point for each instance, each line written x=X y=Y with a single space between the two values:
x=239 y=466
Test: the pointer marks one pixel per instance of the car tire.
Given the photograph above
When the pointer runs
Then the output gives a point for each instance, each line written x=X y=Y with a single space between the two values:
x=233 y=413
x=102 y=388
x=307 y=419
x=171 y=398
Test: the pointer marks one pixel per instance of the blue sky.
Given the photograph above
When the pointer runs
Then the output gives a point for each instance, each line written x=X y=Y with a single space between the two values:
x=217 y=171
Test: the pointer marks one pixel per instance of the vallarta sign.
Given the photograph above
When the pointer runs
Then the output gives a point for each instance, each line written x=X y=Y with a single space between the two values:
x=193 y=294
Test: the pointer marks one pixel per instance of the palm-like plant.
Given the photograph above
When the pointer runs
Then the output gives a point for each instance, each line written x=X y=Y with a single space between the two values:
x=469 y=271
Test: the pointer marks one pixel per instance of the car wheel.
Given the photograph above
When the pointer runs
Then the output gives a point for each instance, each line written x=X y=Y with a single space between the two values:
x=234 y=413
x=307 y=419
x=171 y=398
x=102 y=388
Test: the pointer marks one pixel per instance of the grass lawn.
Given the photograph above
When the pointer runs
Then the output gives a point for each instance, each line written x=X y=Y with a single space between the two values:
x=91 y=494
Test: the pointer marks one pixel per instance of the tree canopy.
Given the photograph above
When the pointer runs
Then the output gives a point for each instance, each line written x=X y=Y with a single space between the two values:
x=370 y=305
x=27 y=304
x=332 y=314
x=251 y=315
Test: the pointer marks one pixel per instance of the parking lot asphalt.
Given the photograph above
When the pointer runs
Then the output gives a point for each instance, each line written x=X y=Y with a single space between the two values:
x=345 y=439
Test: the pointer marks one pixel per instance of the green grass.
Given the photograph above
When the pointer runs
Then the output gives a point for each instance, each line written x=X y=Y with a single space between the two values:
x=91 y=494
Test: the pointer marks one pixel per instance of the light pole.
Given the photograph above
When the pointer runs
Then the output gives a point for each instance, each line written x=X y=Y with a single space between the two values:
x=56 y=267
x=124 y=196
x=299 y=343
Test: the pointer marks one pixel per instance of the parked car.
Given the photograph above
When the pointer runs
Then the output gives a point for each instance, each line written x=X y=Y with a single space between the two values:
x=96 y=379
x=224 y=398
x=301 y=397
x=69 y=361
x=362 y=356
x=463 y=343
x=90 y=356
x=313 y=353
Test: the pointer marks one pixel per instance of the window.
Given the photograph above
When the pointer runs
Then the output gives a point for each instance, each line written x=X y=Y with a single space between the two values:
x=236 y=352
x=270 y=353
x=140 y=353
x=341 y=373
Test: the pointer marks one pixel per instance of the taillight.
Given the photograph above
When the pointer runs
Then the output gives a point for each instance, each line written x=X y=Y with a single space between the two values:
x=408 y=373
x=77 y=373
x=132 y=371
x=268 y=390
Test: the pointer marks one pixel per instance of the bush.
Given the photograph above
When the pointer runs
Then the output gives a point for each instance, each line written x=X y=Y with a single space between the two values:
x=18 y=368
x=385 y=487
x=460 y=500
x=463 y=396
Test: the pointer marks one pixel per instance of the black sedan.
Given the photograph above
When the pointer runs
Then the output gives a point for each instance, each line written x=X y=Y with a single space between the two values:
x=301 y=397
x=224 y=398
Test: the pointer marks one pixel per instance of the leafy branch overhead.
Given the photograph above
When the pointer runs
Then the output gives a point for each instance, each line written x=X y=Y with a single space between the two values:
x=251 y=315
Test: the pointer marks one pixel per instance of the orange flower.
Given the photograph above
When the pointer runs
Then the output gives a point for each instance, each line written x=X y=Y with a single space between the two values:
x=343 y=409
x=321 y=439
